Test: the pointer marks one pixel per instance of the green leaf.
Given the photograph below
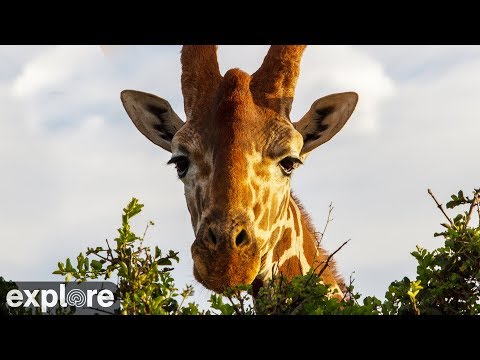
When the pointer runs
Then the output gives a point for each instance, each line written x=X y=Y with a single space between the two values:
x=80 y=261
x=69 y=266
x=123 y=271
x=458 y=218
x=164 y=261
x=451 y=204
x=96 y=265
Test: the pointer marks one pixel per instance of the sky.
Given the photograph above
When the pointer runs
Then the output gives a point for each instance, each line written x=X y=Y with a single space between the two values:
x=71 y=159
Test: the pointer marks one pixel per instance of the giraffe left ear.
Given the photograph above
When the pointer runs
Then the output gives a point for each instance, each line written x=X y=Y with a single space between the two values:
x=325 y=118
x=153 y=116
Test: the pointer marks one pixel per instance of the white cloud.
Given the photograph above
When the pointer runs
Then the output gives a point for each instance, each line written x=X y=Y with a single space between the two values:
x=93 y=123
x=420 y=63
x=332 y=69
x=54 y=66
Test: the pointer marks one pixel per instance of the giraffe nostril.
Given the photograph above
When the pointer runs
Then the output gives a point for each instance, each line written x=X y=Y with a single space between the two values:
x=242 y=238
x=212 y=237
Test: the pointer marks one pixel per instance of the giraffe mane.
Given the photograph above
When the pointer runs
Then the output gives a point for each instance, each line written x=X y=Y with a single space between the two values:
x=321 y=255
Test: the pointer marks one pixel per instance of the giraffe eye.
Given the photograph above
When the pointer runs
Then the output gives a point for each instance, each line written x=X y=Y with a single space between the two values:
x=181 y=164
x=288 y=164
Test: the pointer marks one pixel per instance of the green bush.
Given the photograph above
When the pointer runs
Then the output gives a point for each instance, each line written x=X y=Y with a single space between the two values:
x=145 y=284
x=449 y=275
x=447 y=281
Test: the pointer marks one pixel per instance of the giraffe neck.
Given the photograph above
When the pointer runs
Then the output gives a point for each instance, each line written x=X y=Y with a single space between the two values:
x=297 y=251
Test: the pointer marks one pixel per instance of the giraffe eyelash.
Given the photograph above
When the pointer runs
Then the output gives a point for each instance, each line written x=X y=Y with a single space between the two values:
x=181 y=164
x=288 y=164
x=175 y=159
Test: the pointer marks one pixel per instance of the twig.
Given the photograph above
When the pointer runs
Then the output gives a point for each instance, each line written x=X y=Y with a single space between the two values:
x=104 y=258
x=326 y=263
x=329 y=220
x=322 y=234
x=185 y=294
x=440 y=207
x=235 y=308
x=145 y=232
x=298 y=307
x=348 y=293
x=109 y=249
x=331 y=256
x=240 y=299
x=472 y=206
x=478 y=207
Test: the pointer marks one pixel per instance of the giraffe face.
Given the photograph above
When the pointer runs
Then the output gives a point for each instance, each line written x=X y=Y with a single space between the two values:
x=235 y=154
x=235 y=164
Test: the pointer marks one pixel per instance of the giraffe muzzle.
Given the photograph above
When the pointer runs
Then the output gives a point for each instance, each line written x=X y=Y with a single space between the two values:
x=225 y=258
x=215 y=239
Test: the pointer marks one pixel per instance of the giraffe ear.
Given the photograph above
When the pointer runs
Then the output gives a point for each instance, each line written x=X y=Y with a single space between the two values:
x=325 y=118
x=153 y=116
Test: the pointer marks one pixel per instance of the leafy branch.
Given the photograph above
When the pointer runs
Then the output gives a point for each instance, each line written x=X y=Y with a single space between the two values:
x=145 y=284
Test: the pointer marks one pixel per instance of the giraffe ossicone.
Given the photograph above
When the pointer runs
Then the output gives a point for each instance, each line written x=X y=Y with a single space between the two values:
x=235 y=155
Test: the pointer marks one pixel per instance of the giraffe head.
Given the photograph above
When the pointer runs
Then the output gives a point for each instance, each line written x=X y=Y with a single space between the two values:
x=235 y=154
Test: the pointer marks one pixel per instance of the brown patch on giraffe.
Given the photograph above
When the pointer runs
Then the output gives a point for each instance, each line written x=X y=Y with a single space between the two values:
x=282 y=207
x=283 y=244
x=274 y=234
x=291 y=267
x=256 y=210
x=263 y=224
x=265 y=197
x=296 y=220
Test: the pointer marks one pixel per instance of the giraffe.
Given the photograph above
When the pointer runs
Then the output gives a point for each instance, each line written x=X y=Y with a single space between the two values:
x=235 y=155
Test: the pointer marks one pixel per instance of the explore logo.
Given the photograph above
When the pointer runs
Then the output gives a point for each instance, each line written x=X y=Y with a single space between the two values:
x=55 y=297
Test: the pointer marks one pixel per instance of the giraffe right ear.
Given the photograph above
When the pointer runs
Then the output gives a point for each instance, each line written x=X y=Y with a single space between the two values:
x=325 y=118
x=153 y=117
